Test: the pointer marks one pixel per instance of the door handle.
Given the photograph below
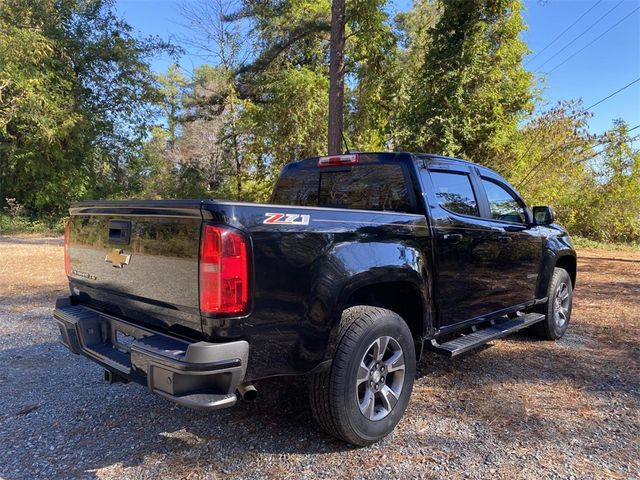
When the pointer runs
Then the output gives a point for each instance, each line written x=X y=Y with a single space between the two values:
x=505 y=239
x=452 y=237
x=515 y=228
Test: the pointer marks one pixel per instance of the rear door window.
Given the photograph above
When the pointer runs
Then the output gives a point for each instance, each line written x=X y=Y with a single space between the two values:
x=454 y=192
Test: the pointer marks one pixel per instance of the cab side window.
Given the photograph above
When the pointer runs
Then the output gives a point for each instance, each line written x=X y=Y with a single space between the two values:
x=454 y=192
x=502 y=204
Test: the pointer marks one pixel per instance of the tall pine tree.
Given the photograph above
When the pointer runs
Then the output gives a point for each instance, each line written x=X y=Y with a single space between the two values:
x=471 y=90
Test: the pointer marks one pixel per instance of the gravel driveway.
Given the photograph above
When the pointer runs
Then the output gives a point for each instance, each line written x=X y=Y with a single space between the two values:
x=518 y=409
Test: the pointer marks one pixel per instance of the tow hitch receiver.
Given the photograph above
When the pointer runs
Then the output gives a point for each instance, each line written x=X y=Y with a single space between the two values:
x=111 y=378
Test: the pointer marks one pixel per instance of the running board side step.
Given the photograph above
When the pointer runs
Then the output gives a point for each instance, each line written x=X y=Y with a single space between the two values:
x=480 y=337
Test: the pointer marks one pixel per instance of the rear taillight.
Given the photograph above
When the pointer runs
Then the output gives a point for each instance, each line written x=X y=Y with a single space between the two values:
x=67 y=269
x=224 y=271
x=334 y=160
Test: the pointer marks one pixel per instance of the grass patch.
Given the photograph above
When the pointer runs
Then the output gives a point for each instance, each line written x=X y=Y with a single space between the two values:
x=12 y=225
x=582 y=242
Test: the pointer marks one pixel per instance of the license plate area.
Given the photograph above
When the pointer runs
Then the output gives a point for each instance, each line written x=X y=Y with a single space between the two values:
x=122 y=335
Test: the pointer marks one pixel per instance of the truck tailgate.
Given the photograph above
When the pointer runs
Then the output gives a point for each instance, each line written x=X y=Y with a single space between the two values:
x=138 y=260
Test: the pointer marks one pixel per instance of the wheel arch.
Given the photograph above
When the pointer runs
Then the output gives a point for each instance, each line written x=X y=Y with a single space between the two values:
x=405 y=297
x=570 y=264
x=565 y=259
x=401 y=297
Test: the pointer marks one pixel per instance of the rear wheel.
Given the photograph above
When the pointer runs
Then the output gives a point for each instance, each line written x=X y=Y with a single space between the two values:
x=558 y=307
x=362 y=397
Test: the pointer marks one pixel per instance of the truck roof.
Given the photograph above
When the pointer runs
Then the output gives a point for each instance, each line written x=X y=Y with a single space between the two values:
x=373 y=156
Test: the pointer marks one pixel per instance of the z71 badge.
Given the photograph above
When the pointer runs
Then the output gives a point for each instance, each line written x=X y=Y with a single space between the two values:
x=287 y=218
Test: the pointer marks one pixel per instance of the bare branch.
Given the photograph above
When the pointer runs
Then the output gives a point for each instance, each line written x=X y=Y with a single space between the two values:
x=302 y=31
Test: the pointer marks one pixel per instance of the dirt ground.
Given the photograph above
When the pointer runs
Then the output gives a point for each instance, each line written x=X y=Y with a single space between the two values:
x=520 y=408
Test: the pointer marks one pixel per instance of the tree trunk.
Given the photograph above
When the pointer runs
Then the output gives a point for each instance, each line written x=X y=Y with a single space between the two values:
x=234 y=141
x=336 y=77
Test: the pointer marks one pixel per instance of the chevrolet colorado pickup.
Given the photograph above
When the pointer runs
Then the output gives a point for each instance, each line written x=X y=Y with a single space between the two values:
x=359 y=263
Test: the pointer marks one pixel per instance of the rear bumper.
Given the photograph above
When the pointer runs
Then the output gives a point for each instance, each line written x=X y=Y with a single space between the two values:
x=198 y=375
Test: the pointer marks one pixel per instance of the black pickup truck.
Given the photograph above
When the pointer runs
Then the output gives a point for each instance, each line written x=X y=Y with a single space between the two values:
x=359 y=263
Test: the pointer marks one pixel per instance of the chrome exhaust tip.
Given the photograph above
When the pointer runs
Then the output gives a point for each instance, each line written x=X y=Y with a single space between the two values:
x=247 y=392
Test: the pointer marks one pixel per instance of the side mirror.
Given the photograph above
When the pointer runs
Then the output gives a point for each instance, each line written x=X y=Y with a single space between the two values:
x=543 y=215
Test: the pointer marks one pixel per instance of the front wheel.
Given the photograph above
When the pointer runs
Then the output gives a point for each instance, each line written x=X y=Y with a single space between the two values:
x=558 y=308
x=364 y=394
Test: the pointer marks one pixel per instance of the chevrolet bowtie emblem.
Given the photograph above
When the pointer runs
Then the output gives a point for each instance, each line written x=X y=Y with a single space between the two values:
x=116 y=258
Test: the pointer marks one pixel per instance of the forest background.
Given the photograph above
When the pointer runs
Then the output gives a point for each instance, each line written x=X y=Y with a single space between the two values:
x=83 y=116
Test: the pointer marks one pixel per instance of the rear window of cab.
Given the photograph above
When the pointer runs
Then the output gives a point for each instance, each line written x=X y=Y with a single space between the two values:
x=363 y=187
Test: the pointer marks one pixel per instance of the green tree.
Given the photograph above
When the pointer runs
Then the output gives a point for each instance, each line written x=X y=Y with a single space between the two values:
x=171 y=90
x=75 y=93
x=285 y=86
x=614 y=213
x=292 y=40
x=550 y=160
x=374 y=75
x=157 y=175
x=292 y=125
x=413 y=36
x=215 y=101
x=471 y=90
x=43 y=130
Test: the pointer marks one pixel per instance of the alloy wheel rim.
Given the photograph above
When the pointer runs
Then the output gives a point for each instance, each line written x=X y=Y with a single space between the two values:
x=380 y=378
x=561 y=303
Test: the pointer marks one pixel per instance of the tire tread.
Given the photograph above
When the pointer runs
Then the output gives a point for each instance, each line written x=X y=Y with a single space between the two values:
x=544 y=329
x=327 y=406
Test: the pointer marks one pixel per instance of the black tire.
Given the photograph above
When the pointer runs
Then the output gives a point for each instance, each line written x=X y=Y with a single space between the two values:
x=336 y=394
x=554 y=325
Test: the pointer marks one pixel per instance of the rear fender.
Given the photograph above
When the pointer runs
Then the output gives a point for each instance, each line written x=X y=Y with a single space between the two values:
x=353 y=267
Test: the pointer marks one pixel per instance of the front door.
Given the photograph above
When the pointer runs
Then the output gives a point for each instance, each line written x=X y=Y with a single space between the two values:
x=516 y=271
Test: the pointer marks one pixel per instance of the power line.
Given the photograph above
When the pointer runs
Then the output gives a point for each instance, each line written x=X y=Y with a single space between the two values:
x=569 y=145
x=580 y=35
x=594 y=40
x=562 y=33
x=582 y=160
x=614 y=93
x=537 y=134
x=613 y=140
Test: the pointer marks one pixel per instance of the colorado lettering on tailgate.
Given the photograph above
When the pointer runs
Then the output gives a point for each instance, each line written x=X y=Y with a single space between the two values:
x=287 y=218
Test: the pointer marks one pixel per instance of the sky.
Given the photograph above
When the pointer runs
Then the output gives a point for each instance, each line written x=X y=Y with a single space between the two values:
x=601 y=49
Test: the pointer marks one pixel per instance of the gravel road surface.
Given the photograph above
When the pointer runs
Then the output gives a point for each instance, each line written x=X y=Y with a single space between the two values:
x=520 y=408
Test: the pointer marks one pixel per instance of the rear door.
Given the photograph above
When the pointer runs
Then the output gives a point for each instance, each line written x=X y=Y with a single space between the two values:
x=466 y=253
